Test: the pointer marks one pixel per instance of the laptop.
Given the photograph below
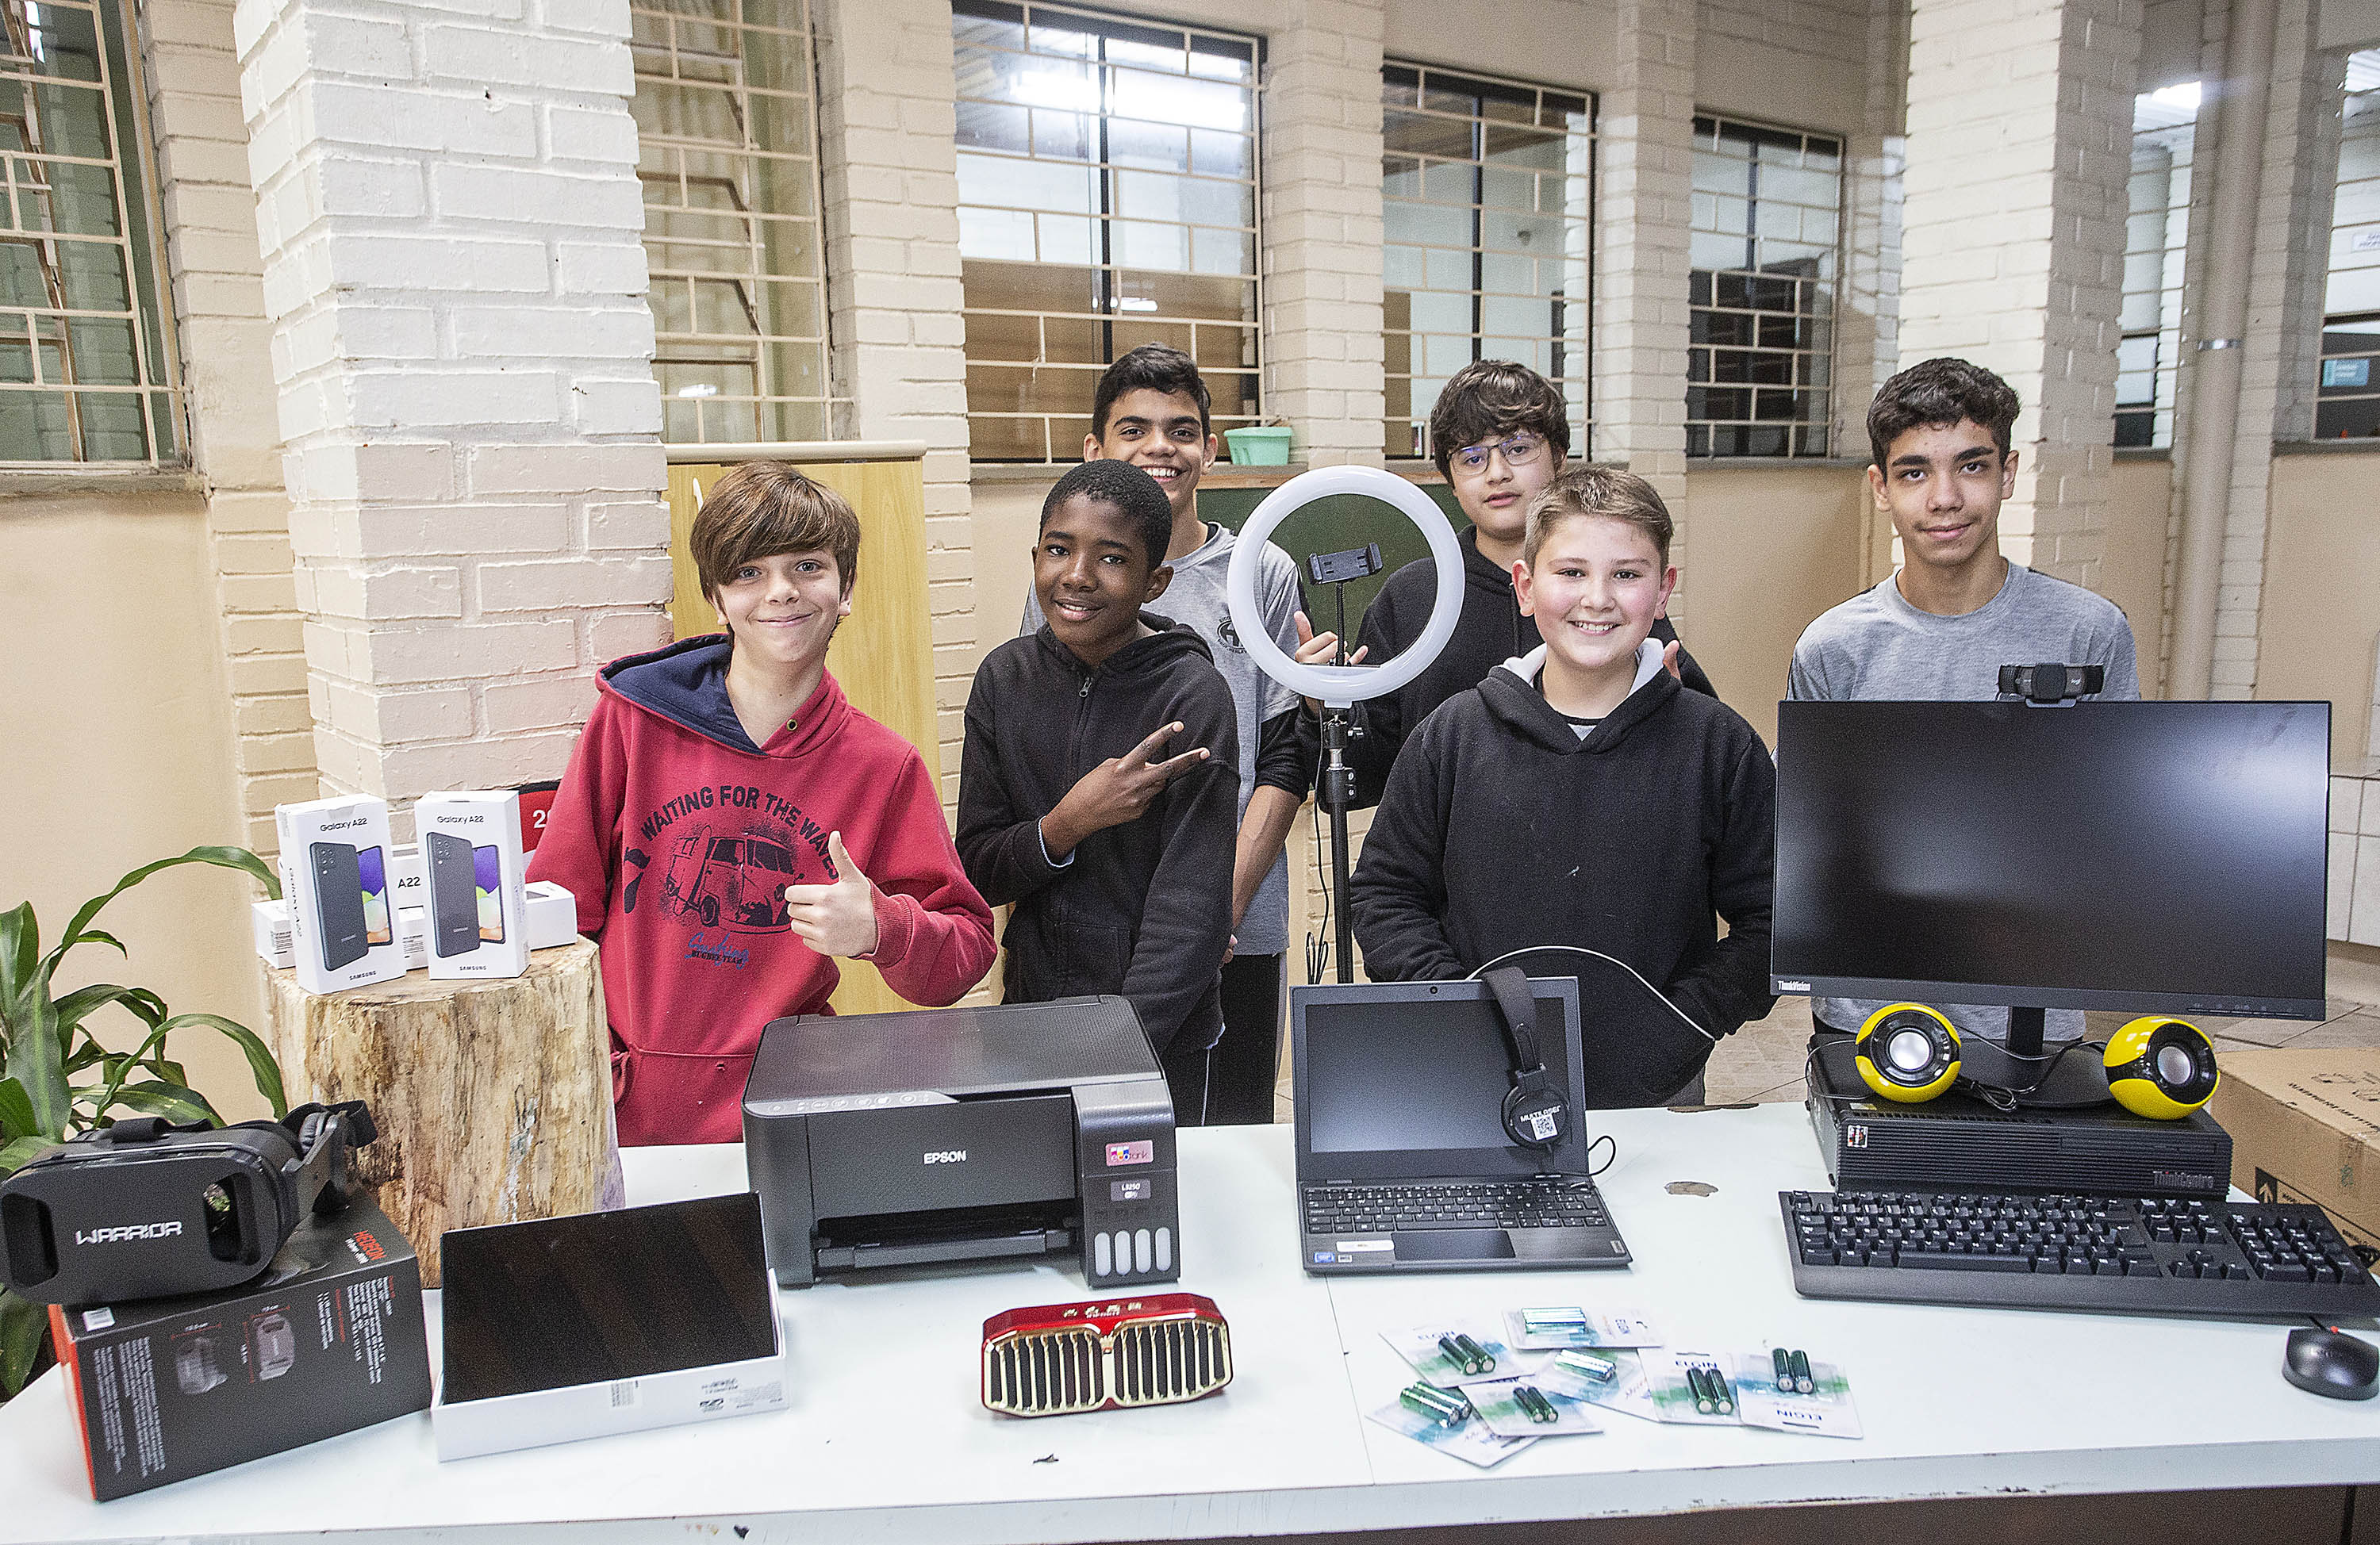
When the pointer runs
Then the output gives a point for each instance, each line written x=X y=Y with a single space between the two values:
x=1403 y=1161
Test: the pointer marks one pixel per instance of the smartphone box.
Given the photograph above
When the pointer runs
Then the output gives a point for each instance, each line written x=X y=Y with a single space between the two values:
x=552 y=920
x=331 y=1339
x=534 y=1355
x=342 y=911
x=404 y=878
x=471 y=859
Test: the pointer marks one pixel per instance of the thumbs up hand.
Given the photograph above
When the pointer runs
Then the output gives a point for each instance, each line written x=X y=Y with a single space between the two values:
x=837 y=919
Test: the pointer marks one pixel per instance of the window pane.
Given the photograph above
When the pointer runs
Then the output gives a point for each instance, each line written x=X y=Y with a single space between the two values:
x=2346 y=391
x=1485 y=184
x=1123 y=212
x=1765 y=226
x=2156 y=229
x=728 y=140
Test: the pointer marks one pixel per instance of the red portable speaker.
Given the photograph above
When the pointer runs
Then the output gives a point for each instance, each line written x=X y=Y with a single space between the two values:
x=1062 y=1358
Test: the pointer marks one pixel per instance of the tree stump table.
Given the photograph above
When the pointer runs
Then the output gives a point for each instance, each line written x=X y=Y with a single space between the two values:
x=493 y=1098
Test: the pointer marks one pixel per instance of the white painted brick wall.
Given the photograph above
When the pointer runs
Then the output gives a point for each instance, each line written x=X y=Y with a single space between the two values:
x=2276 y=368
x=1643 y=311
x=890 y=166
x=215 y=272
x=1811 y=27
x=451 y=225
x=1867 y=339
x=2026 y=113
x=1323 y=229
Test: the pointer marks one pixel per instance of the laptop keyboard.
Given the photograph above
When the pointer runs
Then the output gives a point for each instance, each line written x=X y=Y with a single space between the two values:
x=1548 y=1203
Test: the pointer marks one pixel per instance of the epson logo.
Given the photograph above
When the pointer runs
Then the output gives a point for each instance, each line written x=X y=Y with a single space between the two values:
x=126 y=1231
x=947 y=1156
x=1786 y=985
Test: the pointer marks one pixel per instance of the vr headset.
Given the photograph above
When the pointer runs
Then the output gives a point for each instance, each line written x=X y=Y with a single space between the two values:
x=145 y=1209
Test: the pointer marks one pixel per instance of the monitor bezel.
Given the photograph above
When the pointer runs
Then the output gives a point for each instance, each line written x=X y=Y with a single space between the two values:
x=1510 y=1161
x=2001 y=995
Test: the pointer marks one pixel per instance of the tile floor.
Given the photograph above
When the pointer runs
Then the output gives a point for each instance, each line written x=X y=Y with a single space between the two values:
x=1763 y=1060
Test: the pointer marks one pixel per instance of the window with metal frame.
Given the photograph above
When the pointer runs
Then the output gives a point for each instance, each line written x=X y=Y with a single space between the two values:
x=2347 y=396
x=1487 y=198
x=726 y=110
x=1106 y=200
x=1765 y=240
x=2156 y=231
x=87 y=374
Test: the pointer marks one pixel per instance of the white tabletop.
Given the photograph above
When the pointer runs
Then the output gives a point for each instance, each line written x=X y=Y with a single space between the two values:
x=887 y=1442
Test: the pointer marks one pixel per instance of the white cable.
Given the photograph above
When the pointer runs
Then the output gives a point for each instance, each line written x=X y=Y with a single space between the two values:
x=1597 y=954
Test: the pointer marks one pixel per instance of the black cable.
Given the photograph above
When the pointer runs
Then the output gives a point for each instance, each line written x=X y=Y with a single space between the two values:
x=1593 y=1169
x=1317 y=947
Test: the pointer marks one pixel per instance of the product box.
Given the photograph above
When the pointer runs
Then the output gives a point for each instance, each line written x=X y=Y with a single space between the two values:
x=335 y=875
x=536 y=1351
x=552 y=920
x=328 y=1341
x=2305 y=1127
x=470 y=853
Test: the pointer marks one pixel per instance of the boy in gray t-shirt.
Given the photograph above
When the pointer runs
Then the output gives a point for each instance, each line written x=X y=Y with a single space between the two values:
x=1151 y=410
x=1956 y=610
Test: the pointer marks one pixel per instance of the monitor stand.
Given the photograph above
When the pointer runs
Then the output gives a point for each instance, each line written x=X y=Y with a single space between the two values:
x=2015 y=1072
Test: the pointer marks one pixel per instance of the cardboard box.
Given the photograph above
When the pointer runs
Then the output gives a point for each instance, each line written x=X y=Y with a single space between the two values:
x=552 y=920
x=479 y=917
x=2305 y=1127
x=169 y=1388
x=342 y=909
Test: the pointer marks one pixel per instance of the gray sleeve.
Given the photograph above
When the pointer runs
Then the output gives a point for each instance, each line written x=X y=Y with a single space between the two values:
x=1278 y=604
x=2123 y=669
x=1806 y=679
x=1032 y=620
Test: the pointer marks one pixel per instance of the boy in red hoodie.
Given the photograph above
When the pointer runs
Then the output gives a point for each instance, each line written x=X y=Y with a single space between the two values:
x=730 y=824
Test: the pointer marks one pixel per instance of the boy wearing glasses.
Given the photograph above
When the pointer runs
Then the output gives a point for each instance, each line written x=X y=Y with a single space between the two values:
x=1500 y=432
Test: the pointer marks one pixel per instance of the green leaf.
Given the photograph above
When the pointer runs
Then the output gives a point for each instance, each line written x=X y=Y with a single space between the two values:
x=33 y=1059
x=89 y=936
x=21 y=950
x=169 y=1100
x=226 y=858
x=76 y=1006
x=16 y=1112
x=22 y=1327
x=24 y=1150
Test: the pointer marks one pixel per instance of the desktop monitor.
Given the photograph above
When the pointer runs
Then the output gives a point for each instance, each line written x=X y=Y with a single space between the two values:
x=2153 y=858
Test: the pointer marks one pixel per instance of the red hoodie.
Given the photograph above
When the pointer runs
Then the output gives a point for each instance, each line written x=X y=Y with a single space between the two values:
x=678 y=837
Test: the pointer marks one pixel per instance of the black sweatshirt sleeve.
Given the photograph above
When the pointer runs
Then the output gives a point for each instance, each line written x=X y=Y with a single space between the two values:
x=1186 y=923
x=1398 y=892
x=1730 y=986
x=1282 y=754
x=998 y=841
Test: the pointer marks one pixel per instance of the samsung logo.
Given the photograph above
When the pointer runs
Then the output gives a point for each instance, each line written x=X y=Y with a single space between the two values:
x=127 y=1231
x=1786 y=985
x=947 y=1156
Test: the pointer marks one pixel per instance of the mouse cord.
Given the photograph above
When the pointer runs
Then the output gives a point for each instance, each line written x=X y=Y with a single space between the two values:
x=1597 y=954
x=1593 y=1169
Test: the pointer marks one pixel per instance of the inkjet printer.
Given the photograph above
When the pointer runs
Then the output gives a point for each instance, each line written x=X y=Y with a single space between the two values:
x=964 y=1134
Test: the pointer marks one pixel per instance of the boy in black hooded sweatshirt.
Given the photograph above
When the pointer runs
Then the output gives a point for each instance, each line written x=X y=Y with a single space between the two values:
x=1116 y=856
x=1579 y=796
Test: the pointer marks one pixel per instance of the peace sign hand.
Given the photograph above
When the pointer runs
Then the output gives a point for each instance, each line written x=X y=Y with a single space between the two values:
x=1117 y=791
x=840 y=918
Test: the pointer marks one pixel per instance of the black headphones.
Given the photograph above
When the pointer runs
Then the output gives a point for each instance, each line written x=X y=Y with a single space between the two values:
x=1536 y=1114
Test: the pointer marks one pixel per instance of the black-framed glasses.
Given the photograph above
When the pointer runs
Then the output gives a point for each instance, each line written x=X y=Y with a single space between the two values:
x=1521 y=450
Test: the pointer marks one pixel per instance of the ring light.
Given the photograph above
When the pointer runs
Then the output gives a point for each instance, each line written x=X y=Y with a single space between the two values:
x=1339 y=687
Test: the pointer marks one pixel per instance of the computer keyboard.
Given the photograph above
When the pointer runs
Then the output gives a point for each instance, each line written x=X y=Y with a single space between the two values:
x=1552 y=1202
x=2156 y=1255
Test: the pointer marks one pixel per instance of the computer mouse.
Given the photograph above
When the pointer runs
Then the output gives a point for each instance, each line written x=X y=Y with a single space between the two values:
x=2333 y=1363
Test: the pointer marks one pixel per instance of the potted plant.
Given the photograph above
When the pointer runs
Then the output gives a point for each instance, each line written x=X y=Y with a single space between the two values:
x=57 y=1080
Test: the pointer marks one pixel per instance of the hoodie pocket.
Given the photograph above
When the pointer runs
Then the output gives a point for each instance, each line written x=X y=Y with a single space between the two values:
x=1051 y=956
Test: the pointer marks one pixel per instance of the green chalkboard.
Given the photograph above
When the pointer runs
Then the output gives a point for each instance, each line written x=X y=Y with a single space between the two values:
x=1334 y=524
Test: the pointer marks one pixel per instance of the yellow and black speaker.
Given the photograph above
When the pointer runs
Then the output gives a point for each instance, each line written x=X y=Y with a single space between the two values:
x=1907 y=1052
x=2161 y=1068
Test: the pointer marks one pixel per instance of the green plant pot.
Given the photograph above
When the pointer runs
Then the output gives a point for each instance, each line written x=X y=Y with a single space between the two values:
x=1258 y=447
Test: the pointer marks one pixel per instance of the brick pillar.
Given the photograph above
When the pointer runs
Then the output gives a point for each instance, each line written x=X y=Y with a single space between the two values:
x=450 y=229
x=217 y=278
x=1323 y=230
x=1867 y=336
x=2285 y=306
x=890 y=166
x=2028 y=121
x=1642 y=314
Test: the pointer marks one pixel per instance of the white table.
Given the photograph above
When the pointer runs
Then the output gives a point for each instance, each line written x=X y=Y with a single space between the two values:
x=887 y=1442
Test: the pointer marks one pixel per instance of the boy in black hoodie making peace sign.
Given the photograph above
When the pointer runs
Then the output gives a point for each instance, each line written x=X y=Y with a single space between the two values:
x=1099 y=790
x=1579 y=796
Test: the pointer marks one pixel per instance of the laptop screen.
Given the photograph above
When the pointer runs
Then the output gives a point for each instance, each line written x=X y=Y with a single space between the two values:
x=1397 y=1080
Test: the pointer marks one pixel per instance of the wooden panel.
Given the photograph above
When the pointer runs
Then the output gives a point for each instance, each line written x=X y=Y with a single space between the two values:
x=883 y=653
